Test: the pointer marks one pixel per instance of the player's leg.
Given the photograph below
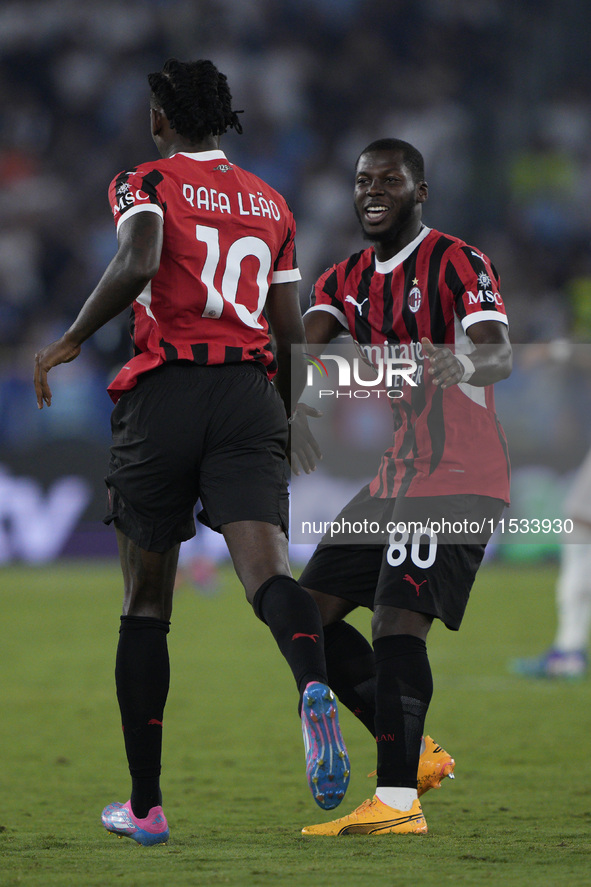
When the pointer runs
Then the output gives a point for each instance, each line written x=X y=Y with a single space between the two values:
x=152 y=492
x=142 y=677
x=573 y=599
x=243 y=488
x=341 y=578
x=350 y=662
x=142 y=671
x=421 y=579
x=404 y=686
x=148 y=579
x=259 y=553
x=417 y=583
x=567 y=657
x=350 y=666
x=403 y=692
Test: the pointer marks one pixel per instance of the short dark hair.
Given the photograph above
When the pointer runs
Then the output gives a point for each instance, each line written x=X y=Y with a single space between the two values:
x=412 y=157
x=195 y=98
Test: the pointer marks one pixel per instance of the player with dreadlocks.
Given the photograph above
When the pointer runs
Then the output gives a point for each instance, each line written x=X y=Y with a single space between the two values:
x=203 y=247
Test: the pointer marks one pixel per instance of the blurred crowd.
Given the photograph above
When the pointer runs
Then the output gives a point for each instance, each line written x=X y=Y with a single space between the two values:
x=494 y=93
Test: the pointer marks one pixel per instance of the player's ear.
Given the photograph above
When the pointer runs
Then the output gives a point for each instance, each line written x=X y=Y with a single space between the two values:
x=422 y=192
x=157 y=118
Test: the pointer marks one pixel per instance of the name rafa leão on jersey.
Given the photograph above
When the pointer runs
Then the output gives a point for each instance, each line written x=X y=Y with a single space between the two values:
x=208 y=199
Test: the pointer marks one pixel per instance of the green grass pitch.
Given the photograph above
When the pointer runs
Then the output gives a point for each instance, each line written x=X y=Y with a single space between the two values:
x=518 y=812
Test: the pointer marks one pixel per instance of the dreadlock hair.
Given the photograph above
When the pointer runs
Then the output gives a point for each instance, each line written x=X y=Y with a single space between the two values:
x=195 y=98
x=411 y=156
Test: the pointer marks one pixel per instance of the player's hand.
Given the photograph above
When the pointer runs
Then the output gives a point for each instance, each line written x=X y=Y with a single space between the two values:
x=302 y=448
x=445 y=369
x=62 y=351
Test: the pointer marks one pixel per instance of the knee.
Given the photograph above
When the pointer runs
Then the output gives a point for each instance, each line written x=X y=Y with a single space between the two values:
x=392 y=620
x=156 y=606
x=148 y=579
x=381 y=625
x=332 y=609
x=250 y=591
x=143 y=596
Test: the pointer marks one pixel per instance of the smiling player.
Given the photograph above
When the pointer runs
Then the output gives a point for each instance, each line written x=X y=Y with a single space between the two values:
x=448 y=461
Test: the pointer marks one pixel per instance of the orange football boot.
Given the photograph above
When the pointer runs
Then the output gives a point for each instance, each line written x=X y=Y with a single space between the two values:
x=434 y=765
x=374 y=818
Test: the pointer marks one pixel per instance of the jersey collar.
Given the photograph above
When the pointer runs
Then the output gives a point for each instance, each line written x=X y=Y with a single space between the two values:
x=216 y=154
x=399 y=258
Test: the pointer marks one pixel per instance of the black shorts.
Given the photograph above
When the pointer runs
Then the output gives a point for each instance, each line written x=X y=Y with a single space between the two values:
x=187 y=433
x=413 y=571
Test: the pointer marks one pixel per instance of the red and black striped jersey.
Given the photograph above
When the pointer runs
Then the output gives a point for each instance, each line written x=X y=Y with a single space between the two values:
x=445 y=441
x=227 y=236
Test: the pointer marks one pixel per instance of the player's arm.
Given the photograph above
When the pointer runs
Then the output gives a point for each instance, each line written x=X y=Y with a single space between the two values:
x=285 y=319
x=320 y=328
x=137 y=260
x=490 y=362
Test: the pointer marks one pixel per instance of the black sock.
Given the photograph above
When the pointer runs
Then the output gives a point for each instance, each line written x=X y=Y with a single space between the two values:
x=142 y=676
x=351 y=668
x=403 y=693
x=295 y=623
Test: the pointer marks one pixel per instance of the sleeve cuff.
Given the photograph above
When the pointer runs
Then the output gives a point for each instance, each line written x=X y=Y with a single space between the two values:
x=479 y=316
x=146 y=208
x=331 y=310
x=286 y=276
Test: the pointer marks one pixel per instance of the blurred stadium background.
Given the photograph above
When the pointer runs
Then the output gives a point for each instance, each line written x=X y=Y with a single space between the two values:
x=494 y=93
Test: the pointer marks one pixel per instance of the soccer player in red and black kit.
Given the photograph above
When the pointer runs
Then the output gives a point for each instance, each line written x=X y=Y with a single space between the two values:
x=203 y=248
x=430 y=296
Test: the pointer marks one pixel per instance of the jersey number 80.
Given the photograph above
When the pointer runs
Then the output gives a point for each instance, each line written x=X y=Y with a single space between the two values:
x=398 y=549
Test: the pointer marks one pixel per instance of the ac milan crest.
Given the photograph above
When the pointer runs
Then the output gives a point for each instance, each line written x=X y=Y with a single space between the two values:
x=415 y=297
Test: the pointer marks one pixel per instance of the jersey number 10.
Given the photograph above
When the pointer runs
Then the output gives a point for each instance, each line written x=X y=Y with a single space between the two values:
x=239 y=250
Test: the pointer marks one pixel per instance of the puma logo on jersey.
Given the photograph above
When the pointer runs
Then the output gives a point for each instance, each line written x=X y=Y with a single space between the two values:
x=417 y=585
x=358 y=305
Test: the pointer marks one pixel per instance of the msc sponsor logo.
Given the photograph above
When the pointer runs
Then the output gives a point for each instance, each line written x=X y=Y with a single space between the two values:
x=484 y=296
x=127 y=197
